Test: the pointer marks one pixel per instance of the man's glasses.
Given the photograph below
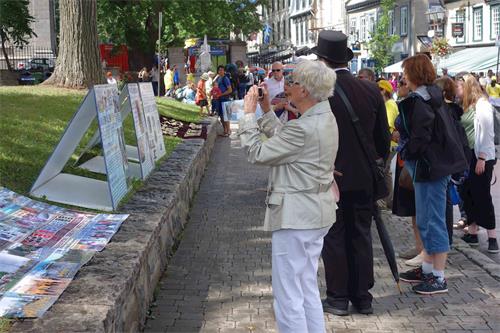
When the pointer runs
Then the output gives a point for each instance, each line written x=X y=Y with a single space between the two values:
x=275 y=70
x=289 y=81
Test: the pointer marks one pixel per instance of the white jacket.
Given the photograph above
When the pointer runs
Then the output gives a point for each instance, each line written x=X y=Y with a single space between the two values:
x=301 y=154
x=484 y=133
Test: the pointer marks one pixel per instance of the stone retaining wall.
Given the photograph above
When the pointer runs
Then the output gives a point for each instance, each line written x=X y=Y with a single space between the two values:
x=113 y=291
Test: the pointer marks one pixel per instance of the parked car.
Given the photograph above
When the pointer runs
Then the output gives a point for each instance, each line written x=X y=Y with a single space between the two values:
x=30 y=78
x=37 y=64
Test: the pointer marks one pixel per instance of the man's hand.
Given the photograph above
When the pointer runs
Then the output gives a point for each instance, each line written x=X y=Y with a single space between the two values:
x=480 y=166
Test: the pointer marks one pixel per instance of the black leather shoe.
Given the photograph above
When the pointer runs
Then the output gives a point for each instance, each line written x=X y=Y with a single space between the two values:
x=366 y=310
x=327 y=307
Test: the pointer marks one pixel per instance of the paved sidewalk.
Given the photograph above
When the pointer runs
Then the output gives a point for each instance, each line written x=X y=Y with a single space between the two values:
x=219 y=280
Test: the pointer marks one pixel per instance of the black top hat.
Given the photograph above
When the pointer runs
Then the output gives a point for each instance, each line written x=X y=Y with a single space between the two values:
x=332 y=45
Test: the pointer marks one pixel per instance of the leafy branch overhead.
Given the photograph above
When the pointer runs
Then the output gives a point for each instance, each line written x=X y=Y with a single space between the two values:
x=135 y=23
x=382 y=39
x=15 y=25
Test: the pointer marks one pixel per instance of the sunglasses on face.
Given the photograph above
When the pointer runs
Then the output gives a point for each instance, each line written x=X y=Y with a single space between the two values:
x=290 y=82
x=275 y=70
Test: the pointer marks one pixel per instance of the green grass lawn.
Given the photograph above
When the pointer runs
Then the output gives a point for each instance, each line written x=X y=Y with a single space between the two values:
x=32 y=120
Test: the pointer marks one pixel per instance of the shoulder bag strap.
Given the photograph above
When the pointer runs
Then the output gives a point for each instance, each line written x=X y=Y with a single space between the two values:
x=372 y=157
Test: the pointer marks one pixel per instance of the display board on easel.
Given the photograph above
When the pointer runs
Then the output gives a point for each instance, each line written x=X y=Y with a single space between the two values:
x=150 y=145
x=102 y=101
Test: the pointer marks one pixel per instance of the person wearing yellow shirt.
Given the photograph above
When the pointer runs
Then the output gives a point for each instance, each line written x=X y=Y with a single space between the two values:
x=392 y=112
x=493 y=89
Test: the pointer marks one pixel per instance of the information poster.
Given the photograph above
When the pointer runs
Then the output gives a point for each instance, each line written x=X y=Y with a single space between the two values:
x=44 y=249
x=146 y=158
x=155 y=137
x=113 y=141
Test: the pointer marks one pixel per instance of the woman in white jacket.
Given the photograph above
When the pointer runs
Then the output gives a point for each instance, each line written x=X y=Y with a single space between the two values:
x=478 y=123
x=300 y=201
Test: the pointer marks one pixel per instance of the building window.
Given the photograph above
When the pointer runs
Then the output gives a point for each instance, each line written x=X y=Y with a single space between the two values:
x=372 y=25
x=301 y=33
x=297 y=33
x=495 y=21
x=460 y=18
x=278 y=34
x=354 y=29
x=303 y=4
x=363 y=28
x=404 y=21
x=297 y=4
x=390 y=28
x=478 y=24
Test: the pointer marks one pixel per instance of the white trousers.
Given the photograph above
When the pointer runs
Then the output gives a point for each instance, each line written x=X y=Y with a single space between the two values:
x=297 y=303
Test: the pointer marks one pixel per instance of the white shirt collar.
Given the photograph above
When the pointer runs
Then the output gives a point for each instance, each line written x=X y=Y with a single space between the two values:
x=341 y=69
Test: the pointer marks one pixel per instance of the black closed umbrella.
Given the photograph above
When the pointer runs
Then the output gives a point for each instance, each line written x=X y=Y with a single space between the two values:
x=386 y=244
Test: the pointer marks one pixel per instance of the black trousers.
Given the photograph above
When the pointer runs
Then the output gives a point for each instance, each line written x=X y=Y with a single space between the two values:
x=348 y=253
x=476 y=194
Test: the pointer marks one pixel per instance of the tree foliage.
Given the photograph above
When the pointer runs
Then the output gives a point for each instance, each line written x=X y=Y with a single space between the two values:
x=381 y=42
x=15 y=24
x=135 y=23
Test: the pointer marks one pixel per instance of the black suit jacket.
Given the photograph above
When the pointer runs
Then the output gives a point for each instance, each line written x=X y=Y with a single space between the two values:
x=369 y=105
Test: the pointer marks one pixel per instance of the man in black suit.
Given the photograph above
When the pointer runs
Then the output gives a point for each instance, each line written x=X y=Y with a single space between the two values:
x=347 y=250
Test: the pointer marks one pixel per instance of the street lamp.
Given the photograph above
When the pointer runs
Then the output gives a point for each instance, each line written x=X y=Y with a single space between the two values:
x=436 y=17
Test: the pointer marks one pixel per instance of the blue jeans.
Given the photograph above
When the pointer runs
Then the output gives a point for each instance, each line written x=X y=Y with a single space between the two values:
x=430 y=204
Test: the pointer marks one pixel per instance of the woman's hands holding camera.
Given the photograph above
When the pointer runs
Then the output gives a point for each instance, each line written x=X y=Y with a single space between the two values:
x=252 y=98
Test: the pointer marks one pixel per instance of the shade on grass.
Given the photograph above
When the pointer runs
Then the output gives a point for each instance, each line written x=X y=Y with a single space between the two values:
x=32 y=120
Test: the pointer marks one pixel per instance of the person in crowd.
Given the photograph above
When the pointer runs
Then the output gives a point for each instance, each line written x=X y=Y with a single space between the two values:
x=201 y=94
x=431 y=155
x=483 y=82
x=394 y=81
x=251 y=79
x=478 y=123
x=215 y=95
x=493 y=89
x=143 y=75
x=242 y=82
x=169 y=82
x=366 y=74
x=444 y=71
x=403 y=203
x=392 y=112
x=448 y=87
x=347 y=250
x=300 y=202
x=155 y=78
x=177 y=81
x=110 y=79
x=459 y=93
x=186 y=94
x=224 y=84
x=275 y=85
x=208 y=90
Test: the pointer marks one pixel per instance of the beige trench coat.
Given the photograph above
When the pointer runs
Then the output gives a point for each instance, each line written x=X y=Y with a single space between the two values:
x=301 y=154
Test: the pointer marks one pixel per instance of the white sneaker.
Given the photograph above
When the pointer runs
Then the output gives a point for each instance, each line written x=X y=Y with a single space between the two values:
x=415 y=262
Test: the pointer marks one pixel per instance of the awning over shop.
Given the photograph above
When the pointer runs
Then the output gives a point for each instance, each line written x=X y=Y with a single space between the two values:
x=478 y=59
x=474 y=59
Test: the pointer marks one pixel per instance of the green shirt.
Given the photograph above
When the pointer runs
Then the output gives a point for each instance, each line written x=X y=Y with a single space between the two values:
x=467 y=121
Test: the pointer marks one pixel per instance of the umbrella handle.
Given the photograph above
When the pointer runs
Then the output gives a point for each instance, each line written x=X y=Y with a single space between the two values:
x=399 y=288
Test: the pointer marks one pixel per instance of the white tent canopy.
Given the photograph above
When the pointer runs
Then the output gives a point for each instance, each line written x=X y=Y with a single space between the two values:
x=478 y=59
x=394 y=68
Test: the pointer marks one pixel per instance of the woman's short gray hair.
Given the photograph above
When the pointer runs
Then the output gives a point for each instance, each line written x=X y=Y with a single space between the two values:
x=317 y=78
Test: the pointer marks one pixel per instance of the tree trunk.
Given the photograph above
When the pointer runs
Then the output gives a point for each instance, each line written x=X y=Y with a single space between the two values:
x=78 y=64
x=4 y=51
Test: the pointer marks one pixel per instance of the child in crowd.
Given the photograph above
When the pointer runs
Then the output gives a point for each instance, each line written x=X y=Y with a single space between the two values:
x=215 y=93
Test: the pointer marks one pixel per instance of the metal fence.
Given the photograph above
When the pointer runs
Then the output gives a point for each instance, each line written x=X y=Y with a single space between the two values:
x=19 y=58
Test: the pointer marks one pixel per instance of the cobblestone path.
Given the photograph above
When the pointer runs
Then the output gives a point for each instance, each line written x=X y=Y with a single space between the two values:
x=219 y=280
